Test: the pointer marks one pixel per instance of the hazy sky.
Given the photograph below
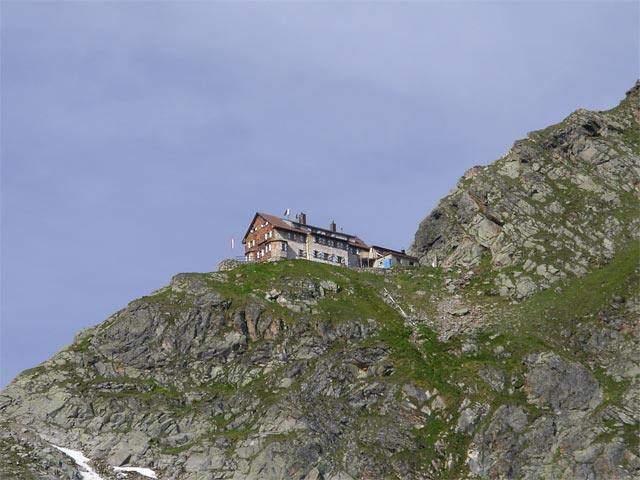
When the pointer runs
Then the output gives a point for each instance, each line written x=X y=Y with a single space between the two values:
x=138 y=138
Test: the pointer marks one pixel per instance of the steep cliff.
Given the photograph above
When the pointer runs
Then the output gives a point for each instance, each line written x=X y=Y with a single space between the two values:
x=299 y=370
x=559 y=203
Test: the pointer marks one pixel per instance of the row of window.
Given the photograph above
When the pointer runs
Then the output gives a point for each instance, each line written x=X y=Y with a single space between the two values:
x=263 y=251
x=296 y=237
x=255 y=229
x=328 y=257
x=283 y=247
x=330 y=242
x=267 y=236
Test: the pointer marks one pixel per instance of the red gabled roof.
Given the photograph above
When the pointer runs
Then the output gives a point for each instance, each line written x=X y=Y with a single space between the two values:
x=280 y=222
x=275 y=221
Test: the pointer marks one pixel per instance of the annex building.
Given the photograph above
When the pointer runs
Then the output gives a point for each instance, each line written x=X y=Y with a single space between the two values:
x=271 y=238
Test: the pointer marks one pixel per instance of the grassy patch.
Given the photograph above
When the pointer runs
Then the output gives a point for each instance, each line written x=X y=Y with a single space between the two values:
x=548 y=311
x=82 y=345
x=177 y=449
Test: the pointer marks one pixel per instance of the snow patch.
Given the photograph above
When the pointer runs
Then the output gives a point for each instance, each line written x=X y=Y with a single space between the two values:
x=145 y=472
x=90 y=474
x=81 y=461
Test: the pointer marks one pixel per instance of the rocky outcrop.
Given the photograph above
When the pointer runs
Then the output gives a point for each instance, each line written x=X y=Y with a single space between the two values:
x=558 y=203
x=228 y=264
x=560 y=385
x=191 y=382
x=565 y=441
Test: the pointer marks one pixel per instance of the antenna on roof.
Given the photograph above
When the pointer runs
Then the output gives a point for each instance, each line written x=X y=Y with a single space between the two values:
x=287 y=212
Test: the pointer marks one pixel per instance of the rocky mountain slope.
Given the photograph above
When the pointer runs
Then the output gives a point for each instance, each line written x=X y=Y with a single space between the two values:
x=558 y=203
x=297 y=370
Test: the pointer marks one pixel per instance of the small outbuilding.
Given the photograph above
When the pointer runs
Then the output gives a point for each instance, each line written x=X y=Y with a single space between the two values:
x=383 y=257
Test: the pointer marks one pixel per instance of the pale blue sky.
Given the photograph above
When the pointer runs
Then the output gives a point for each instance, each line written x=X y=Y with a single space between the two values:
x=138 y=138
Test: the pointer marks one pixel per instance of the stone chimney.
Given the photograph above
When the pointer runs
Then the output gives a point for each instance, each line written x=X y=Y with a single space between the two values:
x=332 y=226
x=302 y=218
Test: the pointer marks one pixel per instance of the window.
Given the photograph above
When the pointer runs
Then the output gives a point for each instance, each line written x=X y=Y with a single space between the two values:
x=326 y=256
x=340 y=260
x=315 y=254
x=300 y=252
x=283 y=246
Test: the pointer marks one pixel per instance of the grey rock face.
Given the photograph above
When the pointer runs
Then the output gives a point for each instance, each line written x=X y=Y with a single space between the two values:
x=26 y=456
x=557 y=203
x=494 y=378
x=197 y=385
x=497 y=453
x=555 y=383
